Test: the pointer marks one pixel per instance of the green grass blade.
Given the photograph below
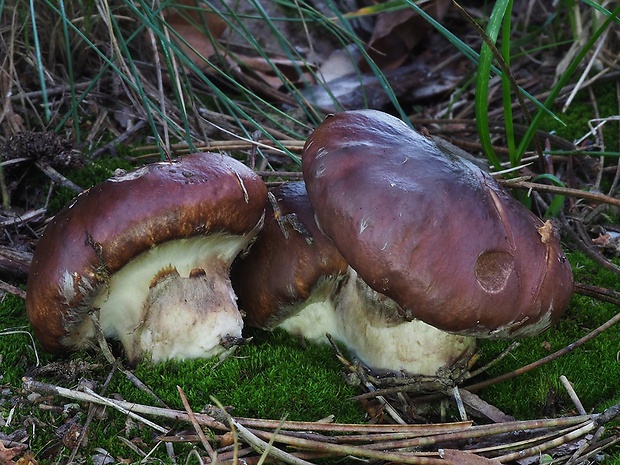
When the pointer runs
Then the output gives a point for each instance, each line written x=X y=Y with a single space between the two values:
x=482 y=81
x=557 y=204
x=474 y=56
x=74 y=103
x=507 y=89
x=39 y=59
x=602 y=9
x=557 y=88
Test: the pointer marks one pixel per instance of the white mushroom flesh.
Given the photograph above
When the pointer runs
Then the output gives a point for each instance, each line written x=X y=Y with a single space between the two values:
x=366 y=323
x=158 y=311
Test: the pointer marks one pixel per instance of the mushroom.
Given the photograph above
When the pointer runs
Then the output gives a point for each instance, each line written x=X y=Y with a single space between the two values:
x=433 y=232
x=295 y=279
x=148 y=253
x=291 y=265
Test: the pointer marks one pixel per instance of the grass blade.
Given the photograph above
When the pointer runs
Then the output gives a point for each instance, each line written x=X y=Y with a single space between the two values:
x=507 y=88
x=39 y=59
x=74 y=103
x=482 y=81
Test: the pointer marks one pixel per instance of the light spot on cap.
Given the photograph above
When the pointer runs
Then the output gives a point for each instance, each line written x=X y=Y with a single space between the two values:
x=130 y=176
x=364 y=225
x=320 y=152
x=492 y=269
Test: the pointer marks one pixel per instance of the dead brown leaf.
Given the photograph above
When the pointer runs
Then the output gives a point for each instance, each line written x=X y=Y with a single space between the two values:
x=198 y=25
x=7 y=454
x=27 y=459
x=287 y=69
x=396 y=33
x=200 y=28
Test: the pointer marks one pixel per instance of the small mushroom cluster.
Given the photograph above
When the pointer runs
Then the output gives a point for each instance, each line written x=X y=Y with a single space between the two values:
x=398 y=250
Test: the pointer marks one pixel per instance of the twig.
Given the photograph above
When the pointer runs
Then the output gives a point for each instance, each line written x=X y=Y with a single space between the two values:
x=58 y=178
x=593 y=196
x=197 y=428
x=484 y=368
x=526 y=443
x=355 y=451
x=481 y=431
x=258 y=444
x=548 y=358
x=89 y=417
x=589 y=251
x=58 y=90
x=374 y=446
x=596 y=292
x=120 y=139
x=128 y=412
x=23 y=218
x=459 y=403
x=585 y=429
x=573 y=395
x=608 y=415
x=12 y=289
x=583 y=447
x=283 y=174
x=45 y=388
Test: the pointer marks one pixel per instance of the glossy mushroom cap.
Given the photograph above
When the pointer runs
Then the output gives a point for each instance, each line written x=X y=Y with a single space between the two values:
x=288 y=262
x=432 y=231
x=149 y=252
x=294 y=278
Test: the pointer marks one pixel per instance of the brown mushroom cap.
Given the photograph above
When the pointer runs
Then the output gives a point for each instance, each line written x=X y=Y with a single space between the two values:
x=122 y=242
x=293 y=277
x=279 y=273
x=433 y=232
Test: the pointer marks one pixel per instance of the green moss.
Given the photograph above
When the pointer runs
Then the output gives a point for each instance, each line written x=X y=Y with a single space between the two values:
x=272 y=377
x=16 y=348
x=581 y=111
x=275 y=375
x=90 y=174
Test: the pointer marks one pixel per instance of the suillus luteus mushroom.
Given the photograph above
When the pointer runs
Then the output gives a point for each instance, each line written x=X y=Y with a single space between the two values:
x=433 y=232
x=148 y=254
x=400 y=251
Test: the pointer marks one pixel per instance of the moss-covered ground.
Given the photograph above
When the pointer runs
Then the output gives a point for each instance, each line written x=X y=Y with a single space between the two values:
x=276 y=376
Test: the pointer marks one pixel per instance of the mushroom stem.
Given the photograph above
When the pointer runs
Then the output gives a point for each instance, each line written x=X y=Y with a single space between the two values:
x=183 y=312
x=369 y=325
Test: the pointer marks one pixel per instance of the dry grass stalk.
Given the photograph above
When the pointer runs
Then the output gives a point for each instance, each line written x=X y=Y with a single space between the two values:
x=413 y=444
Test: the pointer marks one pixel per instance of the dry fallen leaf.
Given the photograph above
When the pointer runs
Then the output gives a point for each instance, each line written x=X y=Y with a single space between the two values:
x=396 y=33
x=27 y=459
x=546 y=232
x=198 y=26
x=288 y=69
x=7 y=454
